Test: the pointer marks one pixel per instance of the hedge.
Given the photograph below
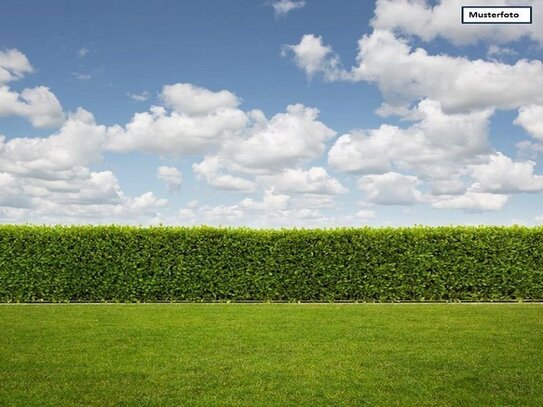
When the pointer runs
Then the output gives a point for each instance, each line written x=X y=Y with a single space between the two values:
x=132 y=264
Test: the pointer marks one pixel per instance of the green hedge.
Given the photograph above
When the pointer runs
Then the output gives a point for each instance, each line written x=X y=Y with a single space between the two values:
x=114 y=263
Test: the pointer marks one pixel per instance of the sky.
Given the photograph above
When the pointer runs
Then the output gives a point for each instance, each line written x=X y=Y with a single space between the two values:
x=268 y=114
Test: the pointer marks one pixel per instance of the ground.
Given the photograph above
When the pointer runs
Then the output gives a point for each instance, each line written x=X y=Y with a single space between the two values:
x=271 y=355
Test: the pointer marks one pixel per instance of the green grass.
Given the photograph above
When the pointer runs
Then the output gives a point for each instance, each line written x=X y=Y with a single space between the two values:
x=271 y=355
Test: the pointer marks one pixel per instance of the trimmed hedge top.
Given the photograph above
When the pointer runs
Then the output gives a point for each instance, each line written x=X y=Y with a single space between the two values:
x=129 y=264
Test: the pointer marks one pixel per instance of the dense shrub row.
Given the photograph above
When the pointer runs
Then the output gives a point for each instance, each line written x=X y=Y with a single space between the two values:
x=114 y=263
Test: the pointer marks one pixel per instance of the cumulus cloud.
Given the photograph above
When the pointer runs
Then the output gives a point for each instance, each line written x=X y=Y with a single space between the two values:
x=265 y=147
x=13 y=65
x=283 y=7
x=444 y=149
x=270 y=202
x=272 y=209
x=436 y=146
x=365 y=214
x=503 y=175
x=313 y=181
x=450 y=99
x=171 y=133
x=203 y=121
x=471 y=201
x=86 y=197
x=531 y=119
x=428 y=21
x=286 y=140
x=146 y=203
x=194 y=100
x=221 y=213
x=312 y=201
x=313 y=57
x=171 y=176
x=38 y=105
x=391 y=188
x=211 y=170
x=78 y=143
x=405 y=75
x=12 y=193
x=186 y=215
x=455 y=185
x=47 y=179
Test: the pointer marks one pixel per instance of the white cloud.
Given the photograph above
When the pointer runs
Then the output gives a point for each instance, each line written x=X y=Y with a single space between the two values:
x=85 y=197
x=448 y=186
x=531 y=119
x=391 y=188
x=139 y=97
x=171 y=176
x=445 y=146
x=13 y=65
x=313 y=57
x=283 y=7
x=405 y=75
x=286 y=140
x=128 y=210
x=313 y=201
x=313 y=181
x=79 y=142
x=211 y=170
x=46 y=179
x=265 y=146
x=428 y=21
x=503 y=175
x=365 y=214
x=471 y=201
x=273 y=210
x=386 y=110
x=270 y=201
x=146 y=202
x=39 y=105
x=160 y=132
x=186 y=215
x=204 y=122
x=193 y=100
x=12 y=193
x=221 y=213
x=436 y=146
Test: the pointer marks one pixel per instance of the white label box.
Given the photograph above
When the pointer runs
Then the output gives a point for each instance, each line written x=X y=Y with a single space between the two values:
x=496 y=14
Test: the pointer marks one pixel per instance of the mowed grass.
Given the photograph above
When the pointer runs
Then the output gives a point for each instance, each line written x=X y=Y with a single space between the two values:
x=271 y=355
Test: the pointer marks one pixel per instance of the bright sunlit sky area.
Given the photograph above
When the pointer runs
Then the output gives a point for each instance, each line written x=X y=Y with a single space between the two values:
x=275 y=113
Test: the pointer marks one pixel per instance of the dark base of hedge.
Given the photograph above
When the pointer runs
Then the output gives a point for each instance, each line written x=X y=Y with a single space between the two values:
x=346 y=302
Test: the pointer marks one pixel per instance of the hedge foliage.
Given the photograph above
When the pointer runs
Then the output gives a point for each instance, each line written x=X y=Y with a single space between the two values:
x=128 y=264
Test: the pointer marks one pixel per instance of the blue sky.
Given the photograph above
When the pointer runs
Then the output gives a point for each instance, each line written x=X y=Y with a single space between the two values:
x=178 y=113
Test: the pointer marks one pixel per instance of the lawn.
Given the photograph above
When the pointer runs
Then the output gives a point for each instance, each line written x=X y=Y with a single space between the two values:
x=272 y=355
